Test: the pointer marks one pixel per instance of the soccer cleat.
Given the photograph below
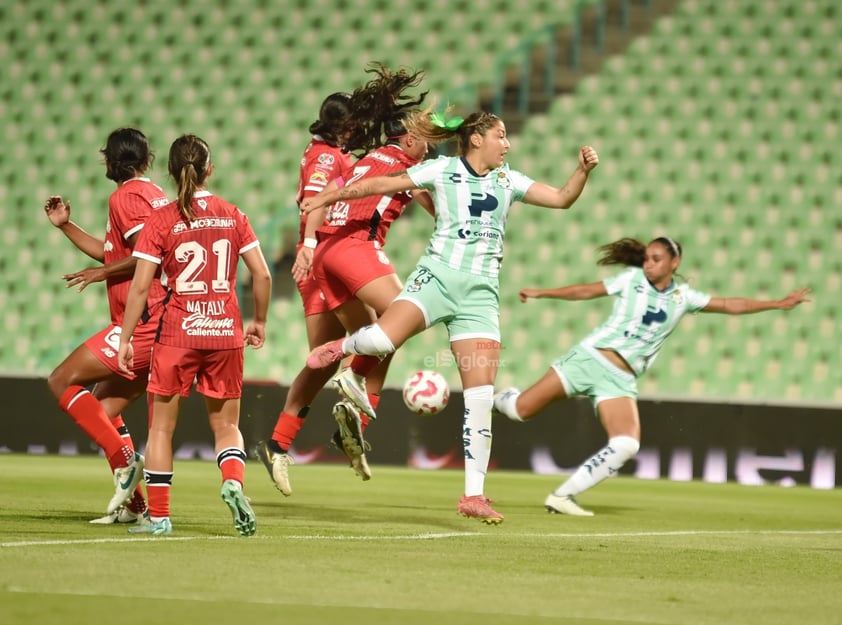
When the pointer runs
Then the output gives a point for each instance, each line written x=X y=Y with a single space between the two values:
x=332 y=385
x=126 y=480
x=156 y=528
x=277 y=464
x=244 y=519
x=352 y=387
x=349 y=438
x=326 y=354
x=479 y=507
x=121 y=515
x=566 y=504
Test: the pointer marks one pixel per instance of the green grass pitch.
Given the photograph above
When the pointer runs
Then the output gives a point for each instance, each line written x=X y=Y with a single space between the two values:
x=394 y=551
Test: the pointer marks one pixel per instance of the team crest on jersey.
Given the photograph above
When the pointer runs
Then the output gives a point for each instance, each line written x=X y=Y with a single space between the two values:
x=503 y=180
x=326 y=159
x=202 y=204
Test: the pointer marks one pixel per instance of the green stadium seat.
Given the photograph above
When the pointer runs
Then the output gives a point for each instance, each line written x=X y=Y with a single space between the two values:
x=713 y=128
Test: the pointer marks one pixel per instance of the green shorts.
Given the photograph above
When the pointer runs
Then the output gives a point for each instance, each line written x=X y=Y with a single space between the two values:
x=584 y=371
x=468 y=305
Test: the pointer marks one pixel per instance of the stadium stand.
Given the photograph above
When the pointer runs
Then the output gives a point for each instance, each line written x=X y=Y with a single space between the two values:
x=715 y=128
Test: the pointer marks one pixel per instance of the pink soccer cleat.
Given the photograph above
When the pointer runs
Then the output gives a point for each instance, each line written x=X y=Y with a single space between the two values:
x=479 y=507
x=326 y=354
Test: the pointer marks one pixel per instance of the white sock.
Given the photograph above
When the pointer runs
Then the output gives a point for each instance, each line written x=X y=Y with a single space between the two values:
x=476 y=436
x=368 y=341
x=506 y=403
x=604 y=463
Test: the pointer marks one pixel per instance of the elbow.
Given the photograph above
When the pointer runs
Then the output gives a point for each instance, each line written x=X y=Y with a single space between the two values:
x=565 y=200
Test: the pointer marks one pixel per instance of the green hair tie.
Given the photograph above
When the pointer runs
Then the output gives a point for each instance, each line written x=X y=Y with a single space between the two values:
x=454 y=123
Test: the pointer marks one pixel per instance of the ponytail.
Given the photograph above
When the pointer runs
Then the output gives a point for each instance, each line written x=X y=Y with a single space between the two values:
x=626 y=251
x=631 y=252
x=435 y=128
x=187 y=185
x=189 y=165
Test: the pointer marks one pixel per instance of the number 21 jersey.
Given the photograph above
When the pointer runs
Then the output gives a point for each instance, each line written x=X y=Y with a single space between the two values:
x=199 y=259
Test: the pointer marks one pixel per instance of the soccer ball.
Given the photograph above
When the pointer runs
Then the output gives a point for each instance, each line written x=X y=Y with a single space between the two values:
x=426 y=392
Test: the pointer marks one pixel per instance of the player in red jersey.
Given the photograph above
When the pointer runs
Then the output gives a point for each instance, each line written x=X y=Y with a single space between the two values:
x=127 y=157
x=347 y=123
x=197 y=241
x=354 y=273
x=325 y=158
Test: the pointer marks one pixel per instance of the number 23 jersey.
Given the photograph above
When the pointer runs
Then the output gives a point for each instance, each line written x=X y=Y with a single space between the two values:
x=199 y=259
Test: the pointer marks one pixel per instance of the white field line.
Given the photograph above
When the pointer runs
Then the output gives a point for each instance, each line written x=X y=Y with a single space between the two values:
x=428 y=536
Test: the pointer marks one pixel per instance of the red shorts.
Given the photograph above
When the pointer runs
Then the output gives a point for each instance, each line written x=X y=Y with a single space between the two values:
x=311 y=295
x=217 y=373
x=105 y=345
x=344 y=265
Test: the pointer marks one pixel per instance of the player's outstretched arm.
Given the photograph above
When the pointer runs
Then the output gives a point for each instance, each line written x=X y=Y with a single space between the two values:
x=747 y=306
x=570 y=292
x=376 y=185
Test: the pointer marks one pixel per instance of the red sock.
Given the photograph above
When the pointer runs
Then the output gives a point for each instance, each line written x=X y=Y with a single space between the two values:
x=232 y=464
x=363 y=365
x=122 y=430
x=137 y=503
x=286 y=429
x=89 y=415
x=374 y=399
x=158 y=486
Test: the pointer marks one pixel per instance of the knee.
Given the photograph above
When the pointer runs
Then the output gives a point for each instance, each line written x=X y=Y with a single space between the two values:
x=59 y=381
x=626 y=447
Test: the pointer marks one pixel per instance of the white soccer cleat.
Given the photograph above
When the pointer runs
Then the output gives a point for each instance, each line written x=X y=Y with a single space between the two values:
x=349 y=438
x=121 y=515
x=277 y=465
x=564 y=505
x=352 y=387
x=126 y=480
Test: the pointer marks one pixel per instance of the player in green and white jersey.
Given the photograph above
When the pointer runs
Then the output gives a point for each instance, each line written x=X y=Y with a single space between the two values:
x=456 y=281
x=605 y=364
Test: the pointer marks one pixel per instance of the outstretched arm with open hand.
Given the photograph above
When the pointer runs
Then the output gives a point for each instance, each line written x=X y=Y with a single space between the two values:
x=746 y=306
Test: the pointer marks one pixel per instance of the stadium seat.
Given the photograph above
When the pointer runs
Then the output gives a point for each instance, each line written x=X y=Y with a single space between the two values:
x=713 y=128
